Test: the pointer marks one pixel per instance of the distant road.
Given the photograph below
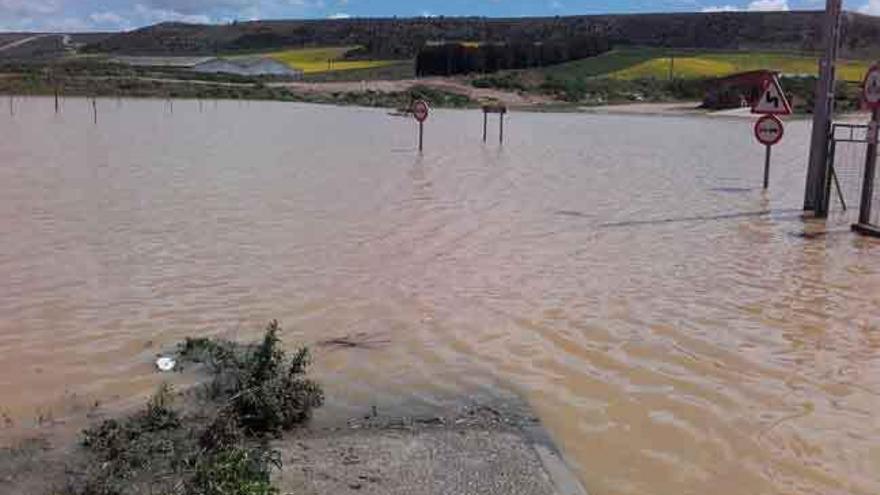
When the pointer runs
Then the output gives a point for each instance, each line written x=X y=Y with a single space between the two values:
x=23 y=41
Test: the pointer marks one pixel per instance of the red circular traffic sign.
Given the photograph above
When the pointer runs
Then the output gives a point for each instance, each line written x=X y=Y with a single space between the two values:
x=871 y=87
x=420 y=110
x=769 y=130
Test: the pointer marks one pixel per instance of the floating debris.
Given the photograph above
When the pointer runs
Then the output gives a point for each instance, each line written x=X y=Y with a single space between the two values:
x=165 y=364
x=360 y=340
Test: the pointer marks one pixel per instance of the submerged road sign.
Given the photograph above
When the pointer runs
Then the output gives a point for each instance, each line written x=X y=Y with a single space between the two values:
x=420 y=110
x=871 y=87
x=772 y=100
x=769 y=130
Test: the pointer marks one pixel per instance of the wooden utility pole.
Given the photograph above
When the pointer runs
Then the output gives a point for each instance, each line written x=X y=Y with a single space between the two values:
x=815 y=199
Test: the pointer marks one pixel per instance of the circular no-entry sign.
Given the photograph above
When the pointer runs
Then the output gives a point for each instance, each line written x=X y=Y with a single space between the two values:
x=420 y=110
x=871 y=87
x=769 y=130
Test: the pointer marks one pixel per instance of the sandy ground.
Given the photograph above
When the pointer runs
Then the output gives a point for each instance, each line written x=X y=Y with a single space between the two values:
x=666 y=108
x=452 y=85
x=485 y=449
x=484 y=443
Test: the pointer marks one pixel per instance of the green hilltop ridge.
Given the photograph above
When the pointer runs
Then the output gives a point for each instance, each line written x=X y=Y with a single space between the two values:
x=402 y=38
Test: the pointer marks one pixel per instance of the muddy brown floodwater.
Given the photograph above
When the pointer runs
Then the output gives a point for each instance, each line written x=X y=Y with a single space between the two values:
x=666 y=318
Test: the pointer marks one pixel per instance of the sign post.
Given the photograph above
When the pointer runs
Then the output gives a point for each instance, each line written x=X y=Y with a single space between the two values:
x=501 y=110
x=871 y=95
x=420 y=110
x=815 y=199
x=769 y=129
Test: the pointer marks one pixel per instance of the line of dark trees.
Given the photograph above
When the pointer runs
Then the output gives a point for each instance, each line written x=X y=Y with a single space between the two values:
x=461 y=58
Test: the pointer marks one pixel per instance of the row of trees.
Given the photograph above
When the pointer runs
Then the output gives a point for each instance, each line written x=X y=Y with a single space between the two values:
x=463 y=58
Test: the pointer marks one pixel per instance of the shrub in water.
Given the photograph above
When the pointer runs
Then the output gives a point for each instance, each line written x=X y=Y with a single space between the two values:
x=256 y=391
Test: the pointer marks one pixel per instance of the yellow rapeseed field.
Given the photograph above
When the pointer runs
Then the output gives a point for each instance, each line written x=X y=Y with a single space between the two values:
x=326 y=59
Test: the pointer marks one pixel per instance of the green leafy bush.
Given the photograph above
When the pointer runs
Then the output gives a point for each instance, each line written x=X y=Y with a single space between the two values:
x=268 y=392
x=256 y=392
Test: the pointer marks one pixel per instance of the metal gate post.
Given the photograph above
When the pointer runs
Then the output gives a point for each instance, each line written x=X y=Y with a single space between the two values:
x=829 y=176
x=870 y=166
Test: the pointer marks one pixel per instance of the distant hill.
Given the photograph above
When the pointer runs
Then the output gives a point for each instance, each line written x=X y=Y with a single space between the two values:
x=402 y=38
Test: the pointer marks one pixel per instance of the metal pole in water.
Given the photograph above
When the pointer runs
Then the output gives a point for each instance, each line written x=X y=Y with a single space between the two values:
x=767 y=167
x=485 y=123
x=870 y=167
x=11 y=106
x=421 y=134
x=56 y=99
x=814 y=199
x=501 y=128
x=95 y=109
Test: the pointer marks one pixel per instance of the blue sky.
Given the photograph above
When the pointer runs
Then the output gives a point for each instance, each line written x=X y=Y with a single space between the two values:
x=90 y=15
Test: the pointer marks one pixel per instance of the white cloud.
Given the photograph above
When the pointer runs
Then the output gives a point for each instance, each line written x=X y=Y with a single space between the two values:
x=871 y=8
x=147 y=15
x=25 y=8
x=759 y=6
x=339 y=15
x=768 y=5
x=108 y=19
x=720 y=8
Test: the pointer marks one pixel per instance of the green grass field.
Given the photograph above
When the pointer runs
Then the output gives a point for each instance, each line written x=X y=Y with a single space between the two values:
x=328 y=59
x=629 y=64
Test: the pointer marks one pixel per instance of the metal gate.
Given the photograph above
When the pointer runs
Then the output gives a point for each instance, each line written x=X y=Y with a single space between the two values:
x=847 y=189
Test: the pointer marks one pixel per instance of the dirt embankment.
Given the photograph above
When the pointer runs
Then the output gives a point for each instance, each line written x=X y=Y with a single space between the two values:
x=451 y=85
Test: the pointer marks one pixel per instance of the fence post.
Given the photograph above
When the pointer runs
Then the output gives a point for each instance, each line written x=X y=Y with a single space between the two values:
x=831 y=176
x=501 y=128
x=870 y=166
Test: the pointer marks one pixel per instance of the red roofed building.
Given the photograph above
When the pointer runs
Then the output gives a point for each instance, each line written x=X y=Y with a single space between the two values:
x=735 y=90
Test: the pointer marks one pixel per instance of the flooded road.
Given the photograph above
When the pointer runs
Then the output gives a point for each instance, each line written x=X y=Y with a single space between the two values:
x=667 y=319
